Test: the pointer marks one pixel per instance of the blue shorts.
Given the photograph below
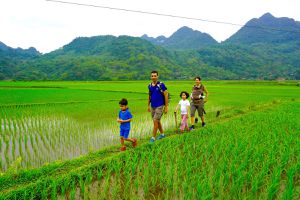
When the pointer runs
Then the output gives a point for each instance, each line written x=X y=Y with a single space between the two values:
x=124 y=133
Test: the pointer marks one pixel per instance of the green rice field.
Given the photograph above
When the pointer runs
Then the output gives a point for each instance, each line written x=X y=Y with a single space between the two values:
x=60 y=140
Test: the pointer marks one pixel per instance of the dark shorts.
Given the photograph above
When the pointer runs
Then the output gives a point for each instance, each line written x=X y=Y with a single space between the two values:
x=157 y=112
x=198 y=107
x=124 y=133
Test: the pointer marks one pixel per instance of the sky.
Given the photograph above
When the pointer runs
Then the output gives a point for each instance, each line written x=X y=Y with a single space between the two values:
x=48 y=25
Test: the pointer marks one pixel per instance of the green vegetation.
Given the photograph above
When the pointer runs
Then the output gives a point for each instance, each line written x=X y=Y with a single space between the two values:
x=270 y=52
x=250 y=151
x=129 y=58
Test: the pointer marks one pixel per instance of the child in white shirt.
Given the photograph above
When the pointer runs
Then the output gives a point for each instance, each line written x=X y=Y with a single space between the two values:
x=184 y=110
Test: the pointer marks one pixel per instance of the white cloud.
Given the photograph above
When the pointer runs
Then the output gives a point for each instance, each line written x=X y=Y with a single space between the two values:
x=47 y=25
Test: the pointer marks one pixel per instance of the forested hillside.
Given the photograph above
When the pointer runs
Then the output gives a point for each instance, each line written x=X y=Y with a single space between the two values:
x=265 y=48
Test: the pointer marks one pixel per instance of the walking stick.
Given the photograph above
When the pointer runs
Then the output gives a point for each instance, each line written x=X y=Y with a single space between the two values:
x=175 y=114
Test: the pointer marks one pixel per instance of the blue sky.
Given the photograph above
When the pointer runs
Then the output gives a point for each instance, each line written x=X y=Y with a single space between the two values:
x=48 y=26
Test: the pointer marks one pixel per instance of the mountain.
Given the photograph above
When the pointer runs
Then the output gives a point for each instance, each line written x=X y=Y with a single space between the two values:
x=115 y=58
x=12 y=58
x=183 y=39
x=254 y=62
x=267 y=29
x=269 y=46
x=122 y=47
x=104 y=58
x=17 y=52
x=262 y=49
x=157 y=41
x=3 y=47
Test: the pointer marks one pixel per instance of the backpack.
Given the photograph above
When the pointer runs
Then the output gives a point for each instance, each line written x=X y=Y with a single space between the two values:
x=161 y=92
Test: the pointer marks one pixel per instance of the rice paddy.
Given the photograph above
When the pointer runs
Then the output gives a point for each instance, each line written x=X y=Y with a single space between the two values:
x=59 y=140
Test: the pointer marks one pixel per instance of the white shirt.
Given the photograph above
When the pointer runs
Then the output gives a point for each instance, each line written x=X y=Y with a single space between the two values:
x=184 y=106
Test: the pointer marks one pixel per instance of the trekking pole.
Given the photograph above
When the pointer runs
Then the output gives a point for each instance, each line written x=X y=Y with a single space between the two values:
x=175 y=114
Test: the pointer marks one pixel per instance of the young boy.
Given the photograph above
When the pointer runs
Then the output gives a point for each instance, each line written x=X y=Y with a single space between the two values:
x=124 y=120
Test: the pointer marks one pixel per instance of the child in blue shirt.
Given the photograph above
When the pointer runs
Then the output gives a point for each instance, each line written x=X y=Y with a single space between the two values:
x=124 y=120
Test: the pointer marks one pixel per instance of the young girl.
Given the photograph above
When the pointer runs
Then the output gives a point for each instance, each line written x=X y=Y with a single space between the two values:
x=184 y=108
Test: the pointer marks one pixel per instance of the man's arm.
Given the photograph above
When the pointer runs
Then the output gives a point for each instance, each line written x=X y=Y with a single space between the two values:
x=166 y=100
x=148 y=103
x=206 y=94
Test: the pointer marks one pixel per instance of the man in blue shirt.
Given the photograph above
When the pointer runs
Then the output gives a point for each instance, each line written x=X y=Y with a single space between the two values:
x=158 y=98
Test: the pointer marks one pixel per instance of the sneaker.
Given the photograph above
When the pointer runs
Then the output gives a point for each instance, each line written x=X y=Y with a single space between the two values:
x=203 y=124
x=152 y=141
x=161 y=136
x=123 y=148
x=196 y=120
x=134 y=144
x=192 y=127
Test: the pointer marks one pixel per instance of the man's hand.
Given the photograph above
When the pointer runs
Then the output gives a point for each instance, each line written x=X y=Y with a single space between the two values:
x=119 y=120
x=166 y=109
x=149 y=110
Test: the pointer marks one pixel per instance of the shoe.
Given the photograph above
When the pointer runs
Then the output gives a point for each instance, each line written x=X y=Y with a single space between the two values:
x=192 y=127
x=196 y=120
x=134 y=144
x=203 y=124
x=161 y=137
x=152 y=141
x=123 y=148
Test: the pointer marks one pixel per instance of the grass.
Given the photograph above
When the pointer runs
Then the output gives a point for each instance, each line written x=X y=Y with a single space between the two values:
x=245 y=157
x=45 y=124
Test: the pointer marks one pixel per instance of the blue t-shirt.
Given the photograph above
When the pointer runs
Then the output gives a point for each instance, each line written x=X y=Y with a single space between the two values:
x=156 y=96
x=124 y=115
